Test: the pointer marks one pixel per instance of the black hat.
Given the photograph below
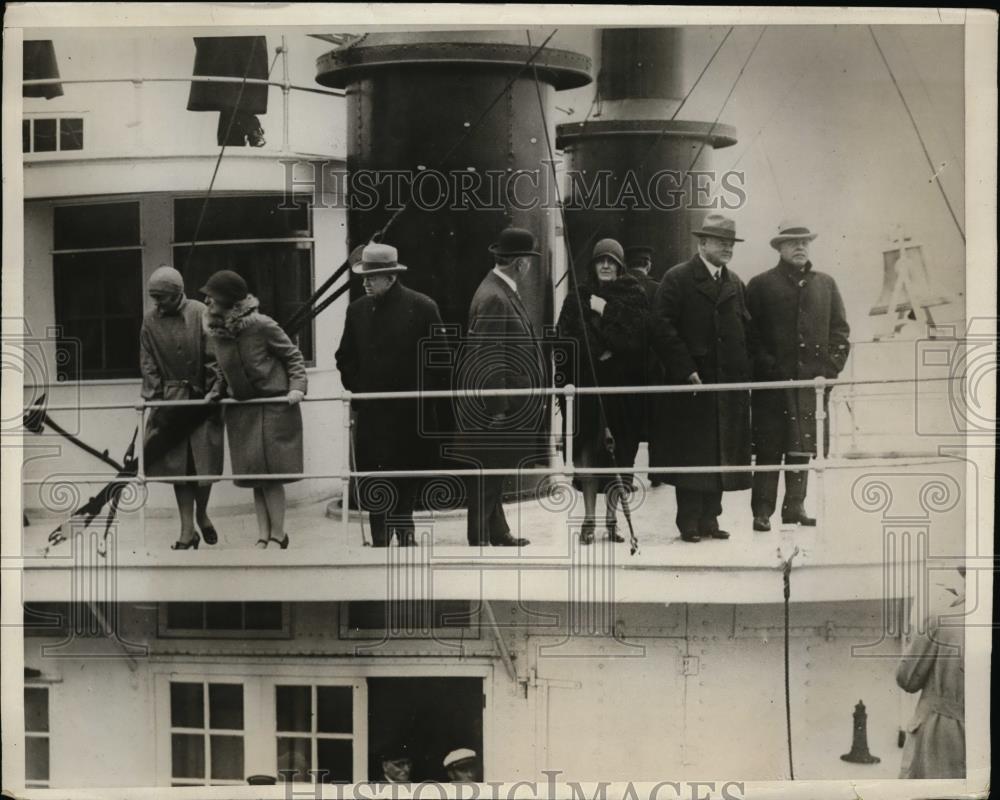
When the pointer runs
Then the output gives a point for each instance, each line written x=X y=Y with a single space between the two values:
x=515 y=242
x=227 y=285
x=638 y=251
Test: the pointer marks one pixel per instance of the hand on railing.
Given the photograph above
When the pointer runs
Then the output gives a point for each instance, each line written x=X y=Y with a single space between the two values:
x=295 y=397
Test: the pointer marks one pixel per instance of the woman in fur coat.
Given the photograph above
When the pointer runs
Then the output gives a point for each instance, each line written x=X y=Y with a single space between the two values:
x=255 y=358
x=611 y=311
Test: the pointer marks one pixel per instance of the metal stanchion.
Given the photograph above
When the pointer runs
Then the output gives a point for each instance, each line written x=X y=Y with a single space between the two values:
x=820 y=451
x=570 y=394
x=140 y=475
x=345 y=465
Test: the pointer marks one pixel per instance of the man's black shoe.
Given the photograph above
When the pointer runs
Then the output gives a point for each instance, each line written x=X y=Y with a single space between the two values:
x=762 y=524
x=509 y=541
x=691 y=536
x=798 y=517
x=715 y=533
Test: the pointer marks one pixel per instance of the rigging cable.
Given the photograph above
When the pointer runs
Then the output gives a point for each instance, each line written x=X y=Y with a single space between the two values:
x=574 y=287
x=222 y=150
x=725 y=102
x=920 y=138
x=660 y=134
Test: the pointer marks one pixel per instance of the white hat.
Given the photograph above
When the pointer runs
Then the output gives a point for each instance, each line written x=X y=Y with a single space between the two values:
x=462 y=754
x=792 y=229
x=377 y=259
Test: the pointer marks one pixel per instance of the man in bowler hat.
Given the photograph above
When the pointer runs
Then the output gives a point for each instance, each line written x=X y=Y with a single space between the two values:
x=703 y=336
x=380 y=352
x=802 y=333
x=502 y=352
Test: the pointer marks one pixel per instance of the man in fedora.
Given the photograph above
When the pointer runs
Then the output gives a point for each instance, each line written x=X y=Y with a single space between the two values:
x=380 y=352
x=639 y=262
x=702 y=335
x=802 y=333
x=502 y=352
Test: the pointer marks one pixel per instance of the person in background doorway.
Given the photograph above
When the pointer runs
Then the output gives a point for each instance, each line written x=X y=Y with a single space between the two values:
x=801 y=333
x=397 y=765
x=462 y=766
x=254 y=358
x=176 y=365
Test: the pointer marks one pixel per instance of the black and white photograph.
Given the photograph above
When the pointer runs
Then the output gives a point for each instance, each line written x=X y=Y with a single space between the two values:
x=497 y=401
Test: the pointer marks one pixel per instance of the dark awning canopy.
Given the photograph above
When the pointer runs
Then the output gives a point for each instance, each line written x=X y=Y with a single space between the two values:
x=229 y=57
x=40 y=64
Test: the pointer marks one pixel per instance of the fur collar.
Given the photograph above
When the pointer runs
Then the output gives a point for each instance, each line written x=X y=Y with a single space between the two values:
x=236 y=320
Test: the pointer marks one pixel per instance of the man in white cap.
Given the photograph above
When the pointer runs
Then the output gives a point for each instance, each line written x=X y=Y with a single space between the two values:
x=176 y=365
x=703 y=337
x=462 y=766
x=380 y=352
x=802 y=333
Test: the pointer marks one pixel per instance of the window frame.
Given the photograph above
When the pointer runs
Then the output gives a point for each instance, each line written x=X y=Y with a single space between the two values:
x=231 y=195
x=163 y=631
x=31 y=116
x=35 y=684
x=103 y=374
x=472 y=631
x=206 y=732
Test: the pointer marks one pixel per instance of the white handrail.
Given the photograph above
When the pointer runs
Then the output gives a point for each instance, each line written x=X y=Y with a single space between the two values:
x=190 y=79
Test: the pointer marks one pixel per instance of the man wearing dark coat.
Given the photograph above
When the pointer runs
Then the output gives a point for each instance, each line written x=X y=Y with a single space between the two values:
x=380 y=352
x=502 y=352
x=802 y=333
x=703 y=336
x=639 y=260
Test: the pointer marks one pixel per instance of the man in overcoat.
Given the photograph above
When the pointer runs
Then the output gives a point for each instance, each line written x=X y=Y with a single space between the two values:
x=177 y=365
x=639 y=261
x=802 y=333
x=502 y=351
x=380 y=352
x=702 y=335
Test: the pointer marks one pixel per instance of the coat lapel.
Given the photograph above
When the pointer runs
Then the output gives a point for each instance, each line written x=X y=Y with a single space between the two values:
x=727 y=287
x=703 y=280
x=515 y=300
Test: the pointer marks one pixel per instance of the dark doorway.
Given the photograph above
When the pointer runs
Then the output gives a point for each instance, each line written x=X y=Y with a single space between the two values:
x=430 y=716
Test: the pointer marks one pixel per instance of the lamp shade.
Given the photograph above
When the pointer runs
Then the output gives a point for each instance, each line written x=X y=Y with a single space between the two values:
x=40 y=64
x=229 y=57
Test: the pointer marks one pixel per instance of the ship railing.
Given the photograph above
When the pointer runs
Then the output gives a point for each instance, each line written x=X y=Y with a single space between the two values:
x=820 y=462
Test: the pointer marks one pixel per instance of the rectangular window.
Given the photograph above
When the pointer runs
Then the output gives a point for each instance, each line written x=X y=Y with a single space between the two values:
x=51 y=134
x=315 y=733
x=263 y=238
x=224 y=620
x=206 y=733
x=37 y=754
x=97 y=266
x=406 y=619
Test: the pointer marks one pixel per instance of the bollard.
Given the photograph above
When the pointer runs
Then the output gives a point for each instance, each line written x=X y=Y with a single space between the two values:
x=859 y=743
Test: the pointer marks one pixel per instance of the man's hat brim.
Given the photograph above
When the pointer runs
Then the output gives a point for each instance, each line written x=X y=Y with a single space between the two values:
x=361 y=269
x=717 y=233
x=495 y=249
x=787 y=237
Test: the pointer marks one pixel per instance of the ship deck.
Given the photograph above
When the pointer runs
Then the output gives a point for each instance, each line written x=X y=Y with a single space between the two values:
x=845 y=557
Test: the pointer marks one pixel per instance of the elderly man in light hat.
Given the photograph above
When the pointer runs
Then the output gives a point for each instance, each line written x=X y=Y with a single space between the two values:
x=462 y=766
x=703 y=337
x=380 y=352
x=802 y=333
x=176 y=365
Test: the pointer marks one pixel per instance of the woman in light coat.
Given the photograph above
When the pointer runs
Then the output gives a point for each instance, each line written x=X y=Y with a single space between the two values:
x=254 y=358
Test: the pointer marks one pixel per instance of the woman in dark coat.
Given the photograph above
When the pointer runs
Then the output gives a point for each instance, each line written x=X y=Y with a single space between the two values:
x=255 y=358
x=610 y=310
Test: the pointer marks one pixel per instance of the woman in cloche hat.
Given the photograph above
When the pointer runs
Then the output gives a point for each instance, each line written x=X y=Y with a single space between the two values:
x=255 y=358
x=610 y=313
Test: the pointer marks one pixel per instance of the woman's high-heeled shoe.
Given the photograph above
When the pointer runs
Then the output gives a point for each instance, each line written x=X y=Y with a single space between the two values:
x=587 y=532
x=209 y=534
x=282 y=543
x=190 y=544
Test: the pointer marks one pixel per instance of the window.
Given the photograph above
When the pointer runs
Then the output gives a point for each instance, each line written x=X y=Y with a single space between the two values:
x=51 y=134
x=224 y=620
x=315 y=732
x=36 y=736
x=269 y=245
x=97 y=266
x=407 y=619
x=206 y=733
